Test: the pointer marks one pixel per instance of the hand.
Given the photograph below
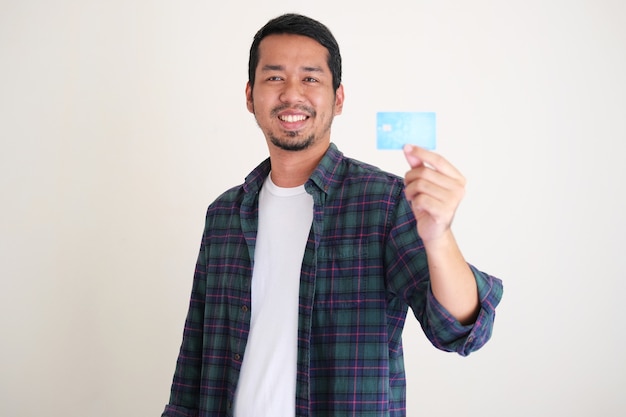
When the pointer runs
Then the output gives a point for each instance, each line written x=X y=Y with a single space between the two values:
x=435 y=189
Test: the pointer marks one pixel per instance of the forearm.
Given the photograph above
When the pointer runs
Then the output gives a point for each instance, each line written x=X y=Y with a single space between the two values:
x=452 y=281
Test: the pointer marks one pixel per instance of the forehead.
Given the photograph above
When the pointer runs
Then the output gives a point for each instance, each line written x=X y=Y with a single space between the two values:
x=281 y=49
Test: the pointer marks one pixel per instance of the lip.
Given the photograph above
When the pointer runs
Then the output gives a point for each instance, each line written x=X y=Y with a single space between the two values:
x=293 y=120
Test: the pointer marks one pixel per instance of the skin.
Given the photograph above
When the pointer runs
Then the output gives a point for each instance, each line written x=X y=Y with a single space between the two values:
x=293 y=80
x=294 y=105
x=435 y=188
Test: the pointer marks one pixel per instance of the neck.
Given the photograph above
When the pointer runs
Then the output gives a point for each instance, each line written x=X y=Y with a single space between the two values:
x=294 y=168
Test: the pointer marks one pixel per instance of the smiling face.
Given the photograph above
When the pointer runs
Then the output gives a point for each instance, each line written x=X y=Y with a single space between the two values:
x=293 y=99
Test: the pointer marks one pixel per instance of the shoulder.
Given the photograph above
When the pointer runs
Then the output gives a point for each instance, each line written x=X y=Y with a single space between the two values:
x=355 y=168
x=338 y=172
x=224 y=208
x=234 y=196
x=367 y=179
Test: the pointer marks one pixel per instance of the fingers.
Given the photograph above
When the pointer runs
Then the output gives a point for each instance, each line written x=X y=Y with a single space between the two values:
x=431 y=167
x=432 y=184
x=417 y=156
x=411 y=156
x=424 y=175
x=423 y=192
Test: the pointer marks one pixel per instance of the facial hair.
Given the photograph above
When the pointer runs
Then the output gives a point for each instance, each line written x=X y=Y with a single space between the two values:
x=287 y=145
x=291 y=142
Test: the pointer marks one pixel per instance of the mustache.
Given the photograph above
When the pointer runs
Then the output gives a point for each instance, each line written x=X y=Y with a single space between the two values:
x=309 y=110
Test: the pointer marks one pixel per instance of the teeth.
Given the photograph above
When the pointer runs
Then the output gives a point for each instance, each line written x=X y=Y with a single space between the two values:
x=291 y=118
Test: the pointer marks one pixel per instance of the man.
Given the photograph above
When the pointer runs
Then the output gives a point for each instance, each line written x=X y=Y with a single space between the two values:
x=306 y=270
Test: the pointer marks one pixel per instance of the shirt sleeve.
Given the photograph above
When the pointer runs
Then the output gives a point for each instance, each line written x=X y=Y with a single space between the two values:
x=447 y=333
x=174 y=411
x=408 y=278
x=185 y=390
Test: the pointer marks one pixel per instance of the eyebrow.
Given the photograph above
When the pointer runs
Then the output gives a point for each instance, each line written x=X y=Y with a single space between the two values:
x=269 y=67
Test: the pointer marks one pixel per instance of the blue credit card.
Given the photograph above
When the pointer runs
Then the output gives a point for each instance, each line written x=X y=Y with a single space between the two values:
x=395 y=129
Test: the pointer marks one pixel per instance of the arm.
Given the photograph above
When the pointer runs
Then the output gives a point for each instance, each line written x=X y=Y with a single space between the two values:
x=185 y=390
x=434 y=188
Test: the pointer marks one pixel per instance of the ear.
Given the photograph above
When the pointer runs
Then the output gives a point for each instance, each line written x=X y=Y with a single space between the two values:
x=339 y=96
x=249 y=102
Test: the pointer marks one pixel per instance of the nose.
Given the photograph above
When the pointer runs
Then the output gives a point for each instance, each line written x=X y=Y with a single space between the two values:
x=292 y=92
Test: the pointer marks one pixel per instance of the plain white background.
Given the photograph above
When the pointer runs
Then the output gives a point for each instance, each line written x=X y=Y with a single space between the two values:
x=120 y=121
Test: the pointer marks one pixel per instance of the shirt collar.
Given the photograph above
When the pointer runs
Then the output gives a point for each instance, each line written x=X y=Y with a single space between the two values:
x=326 y=170
x=322 y=176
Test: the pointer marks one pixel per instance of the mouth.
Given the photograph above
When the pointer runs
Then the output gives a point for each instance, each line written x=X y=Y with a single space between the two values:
x=292 y=118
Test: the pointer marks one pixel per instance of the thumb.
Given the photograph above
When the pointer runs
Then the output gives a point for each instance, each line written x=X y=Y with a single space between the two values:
x=413 y=160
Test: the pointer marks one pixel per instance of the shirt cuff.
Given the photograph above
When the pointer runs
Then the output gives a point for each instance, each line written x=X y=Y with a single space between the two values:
x=447 y=333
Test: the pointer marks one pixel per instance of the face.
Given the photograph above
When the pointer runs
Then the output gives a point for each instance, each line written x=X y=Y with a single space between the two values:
x=293 y=99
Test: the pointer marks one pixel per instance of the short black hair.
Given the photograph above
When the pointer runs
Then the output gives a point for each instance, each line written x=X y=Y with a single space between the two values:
x=297 y=24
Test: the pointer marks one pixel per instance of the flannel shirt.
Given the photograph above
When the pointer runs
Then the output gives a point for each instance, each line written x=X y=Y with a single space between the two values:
x=364 y=266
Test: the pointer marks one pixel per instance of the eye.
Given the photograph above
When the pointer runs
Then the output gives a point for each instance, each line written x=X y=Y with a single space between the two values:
x=274 y=78
x=311 y=80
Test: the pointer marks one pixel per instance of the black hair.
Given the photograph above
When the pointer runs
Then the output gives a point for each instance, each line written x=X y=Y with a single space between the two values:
x=297 y=24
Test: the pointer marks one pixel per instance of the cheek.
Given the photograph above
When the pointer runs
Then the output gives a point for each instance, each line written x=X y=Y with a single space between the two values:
x=258 y=104
x=328 y=103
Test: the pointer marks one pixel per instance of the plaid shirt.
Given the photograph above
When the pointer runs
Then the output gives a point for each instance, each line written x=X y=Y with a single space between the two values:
x=364 y=265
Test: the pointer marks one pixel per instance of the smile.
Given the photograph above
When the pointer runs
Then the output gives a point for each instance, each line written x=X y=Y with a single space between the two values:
x=290 y=118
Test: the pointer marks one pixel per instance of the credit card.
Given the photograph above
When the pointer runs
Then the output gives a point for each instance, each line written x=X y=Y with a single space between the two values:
x=395 y=129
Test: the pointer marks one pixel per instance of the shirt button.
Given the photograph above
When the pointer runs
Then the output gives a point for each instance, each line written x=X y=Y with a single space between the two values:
x=237 y=357
x=244 y=309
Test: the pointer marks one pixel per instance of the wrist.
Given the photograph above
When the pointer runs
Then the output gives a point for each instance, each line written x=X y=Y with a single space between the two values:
x=444 y=241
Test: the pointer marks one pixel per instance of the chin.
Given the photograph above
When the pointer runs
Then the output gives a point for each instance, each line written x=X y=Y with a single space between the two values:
x=293 y=146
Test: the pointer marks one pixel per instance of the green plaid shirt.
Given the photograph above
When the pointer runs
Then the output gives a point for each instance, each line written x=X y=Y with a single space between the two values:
x=364 y=266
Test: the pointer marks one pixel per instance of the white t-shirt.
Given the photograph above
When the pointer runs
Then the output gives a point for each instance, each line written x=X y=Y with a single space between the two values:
x=267 y=383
